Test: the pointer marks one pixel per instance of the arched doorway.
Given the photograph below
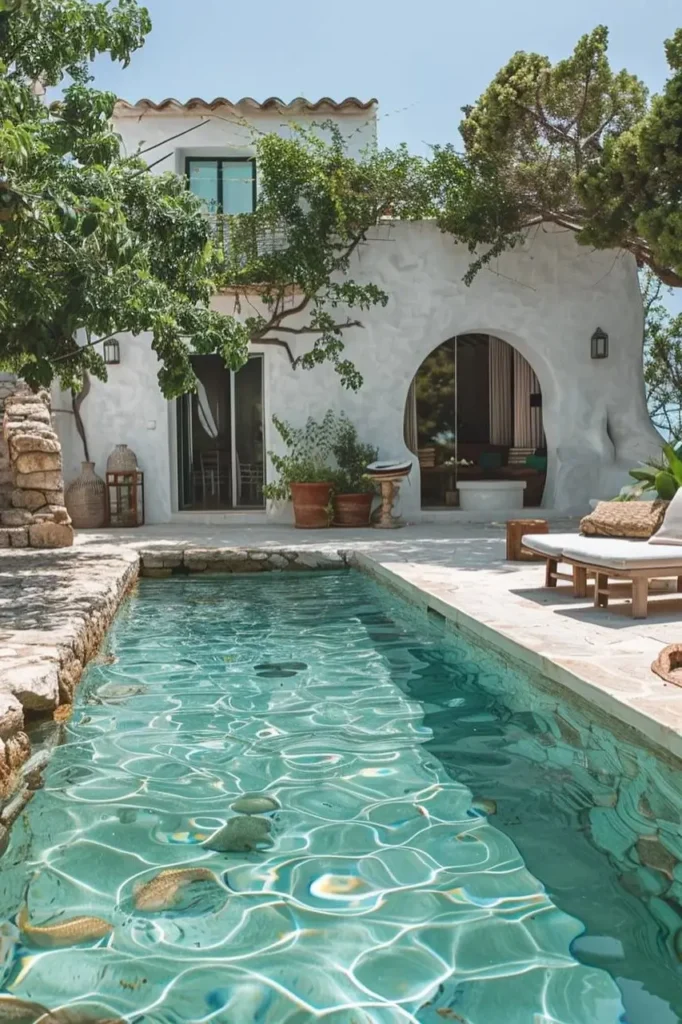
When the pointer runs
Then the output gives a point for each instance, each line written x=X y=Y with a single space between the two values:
x=473 y=411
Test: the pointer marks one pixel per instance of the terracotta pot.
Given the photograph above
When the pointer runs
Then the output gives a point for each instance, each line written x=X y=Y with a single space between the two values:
x=352 y=509
x=311 y=505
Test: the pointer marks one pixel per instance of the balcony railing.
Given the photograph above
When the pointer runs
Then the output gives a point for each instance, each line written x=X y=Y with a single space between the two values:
x=254 y=240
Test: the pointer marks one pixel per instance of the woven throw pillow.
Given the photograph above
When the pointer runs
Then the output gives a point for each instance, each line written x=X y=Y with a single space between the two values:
x=638 y=519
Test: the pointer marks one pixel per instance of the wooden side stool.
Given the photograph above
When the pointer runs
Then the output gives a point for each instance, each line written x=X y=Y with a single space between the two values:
x=516 y=529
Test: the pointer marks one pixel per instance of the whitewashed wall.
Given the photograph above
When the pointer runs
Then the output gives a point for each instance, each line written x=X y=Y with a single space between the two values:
x=230 y=131
x=546 y=298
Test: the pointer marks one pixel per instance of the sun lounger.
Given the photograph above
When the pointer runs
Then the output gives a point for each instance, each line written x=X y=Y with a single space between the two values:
x=605 y=558
x=635 y=561
x=551 y=547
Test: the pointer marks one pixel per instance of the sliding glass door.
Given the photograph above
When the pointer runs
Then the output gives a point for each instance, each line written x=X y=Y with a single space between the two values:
x=220 y=438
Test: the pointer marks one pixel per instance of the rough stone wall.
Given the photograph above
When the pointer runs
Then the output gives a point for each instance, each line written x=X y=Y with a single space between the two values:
x=32 y=510
x=7 y=388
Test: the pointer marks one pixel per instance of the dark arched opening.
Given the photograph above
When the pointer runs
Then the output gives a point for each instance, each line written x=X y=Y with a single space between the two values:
x=474 y=411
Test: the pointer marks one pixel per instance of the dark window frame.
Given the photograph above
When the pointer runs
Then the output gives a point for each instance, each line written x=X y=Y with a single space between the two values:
x=220 y=160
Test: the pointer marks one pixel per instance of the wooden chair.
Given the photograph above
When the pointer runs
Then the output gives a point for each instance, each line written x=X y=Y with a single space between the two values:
x=215 y=476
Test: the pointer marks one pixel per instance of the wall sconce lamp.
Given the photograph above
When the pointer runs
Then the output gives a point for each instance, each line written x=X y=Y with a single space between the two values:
x=599 y=344
x=112 y=352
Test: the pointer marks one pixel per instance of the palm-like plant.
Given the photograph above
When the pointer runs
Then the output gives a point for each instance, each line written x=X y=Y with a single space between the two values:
x=663 y=476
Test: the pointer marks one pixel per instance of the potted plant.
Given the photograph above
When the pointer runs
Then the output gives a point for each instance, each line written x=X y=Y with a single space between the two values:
x=304 y=472
x=353 y=489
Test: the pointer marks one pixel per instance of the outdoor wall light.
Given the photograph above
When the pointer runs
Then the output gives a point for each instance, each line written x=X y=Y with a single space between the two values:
x=112 y=352
x=536 y=400
x=599 y=344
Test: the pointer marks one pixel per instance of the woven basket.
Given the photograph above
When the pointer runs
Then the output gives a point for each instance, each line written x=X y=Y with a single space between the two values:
x=638 y=519
x=86 y=499
x=122 y=460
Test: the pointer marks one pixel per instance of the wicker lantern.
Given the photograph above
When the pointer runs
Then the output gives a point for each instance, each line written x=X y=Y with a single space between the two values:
x=125 y=497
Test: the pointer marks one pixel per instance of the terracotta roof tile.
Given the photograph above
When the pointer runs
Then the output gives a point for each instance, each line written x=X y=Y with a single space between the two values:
x=246 y=103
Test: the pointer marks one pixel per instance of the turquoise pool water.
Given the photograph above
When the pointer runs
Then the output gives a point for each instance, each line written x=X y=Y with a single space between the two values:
x=449 y=842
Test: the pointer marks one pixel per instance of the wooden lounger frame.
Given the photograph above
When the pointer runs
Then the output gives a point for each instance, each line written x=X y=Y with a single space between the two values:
x=639 y=578
x=577 y=577
x=581 y=572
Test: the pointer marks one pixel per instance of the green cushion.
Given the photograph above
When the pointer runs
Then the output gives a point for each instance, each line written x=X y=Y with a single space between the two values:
x=537 y=462
x=490 y=460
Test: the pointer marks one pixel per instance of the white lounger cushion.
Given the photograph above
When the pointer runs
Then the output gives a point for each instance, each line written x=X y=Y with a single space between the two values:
x=551 y=545
x=671 y=527
x=617 y=553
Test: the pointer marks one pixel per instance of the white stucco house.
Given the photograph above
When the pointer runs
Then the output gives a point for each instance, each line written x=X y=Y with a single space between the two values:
x=525 y=394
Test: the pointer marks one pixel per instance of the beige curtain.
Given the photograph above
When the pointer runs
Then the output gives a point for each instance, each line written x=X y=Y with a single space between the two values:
x=500 y=377
x=410 y=426
x=528 y=430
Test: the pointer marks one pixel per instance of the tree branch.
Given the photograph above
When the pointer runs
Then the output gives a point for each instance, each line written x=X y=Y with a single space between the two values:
x=667 y=275
x=156 y=145
x=280 y=344
x=89 y=344
x=319 y=330
x=77 y=399
x=593 y=136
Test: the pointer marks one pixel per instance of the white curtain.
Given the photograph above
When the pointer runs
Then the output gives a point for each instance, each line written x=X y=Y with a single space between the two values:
x=204 y=412
x=528 y=430
x=500 y=386
x=410 y=426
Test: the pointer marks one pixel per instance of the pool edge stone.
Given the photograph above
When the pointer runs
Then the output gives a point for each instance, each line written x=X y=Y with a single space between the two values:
x=41 y=664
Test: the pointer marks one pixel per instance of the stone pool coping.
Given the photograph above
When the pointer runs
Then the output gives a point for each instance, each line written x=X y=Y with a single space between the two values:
x=55 y=608
x=645 y=716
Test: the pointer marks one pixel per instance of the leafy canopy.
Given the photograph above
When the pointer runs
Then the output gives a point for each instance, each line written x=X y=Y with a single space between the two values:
x=662 y=361
x=90 y=241
x=575 y=144
x=316 y=205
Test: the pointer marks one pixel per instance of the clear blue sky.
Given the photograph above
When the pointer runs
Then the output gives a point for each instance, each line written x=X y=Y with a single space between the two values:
x=421 y=60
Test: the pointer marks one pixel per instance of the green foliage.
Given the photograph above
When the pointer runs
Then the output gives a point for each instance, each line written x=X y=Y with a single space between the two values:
x=575 y=144
x=435 y=388
x=327 y=450
x=92 y=245
x=662 y=361
x=308 y=459
x=89 y=240
x=352 y=457
x=316 y=206
x=663 y=477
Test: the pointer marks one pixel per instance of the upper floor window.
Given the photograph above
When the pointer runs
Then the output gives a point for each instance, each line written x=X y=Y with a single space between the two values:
x=223 y=185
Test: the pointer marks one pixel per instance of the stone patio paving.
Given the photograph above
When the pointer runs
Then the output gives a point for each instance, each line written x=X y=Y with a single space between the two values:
x=54 y=607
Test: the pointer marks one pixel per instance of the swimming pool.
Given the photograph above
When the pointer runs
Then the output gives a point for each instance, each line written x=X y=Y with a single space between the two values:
x=435 y=837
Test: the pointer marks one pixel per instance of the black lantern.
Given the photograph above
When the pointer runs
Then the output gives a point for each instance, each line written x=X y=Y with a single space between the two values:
x=112 y=352
x=599 y=344
x=536 y=400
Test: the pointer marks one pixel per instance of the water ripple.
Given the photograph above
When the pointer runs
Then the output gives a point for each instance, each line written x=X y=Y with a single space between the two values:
x=380 y=891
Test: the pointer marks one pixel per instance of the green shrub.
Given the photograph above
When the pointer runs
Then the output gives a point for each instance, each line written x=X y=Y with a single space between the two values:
x=320 y=452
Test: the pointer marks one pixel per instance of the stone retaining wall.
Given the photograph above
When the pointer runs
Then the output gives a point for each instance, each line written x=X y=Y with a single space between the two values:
x=53 y=617
x=8 y=386
x=32 y=509
x=169 y=561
